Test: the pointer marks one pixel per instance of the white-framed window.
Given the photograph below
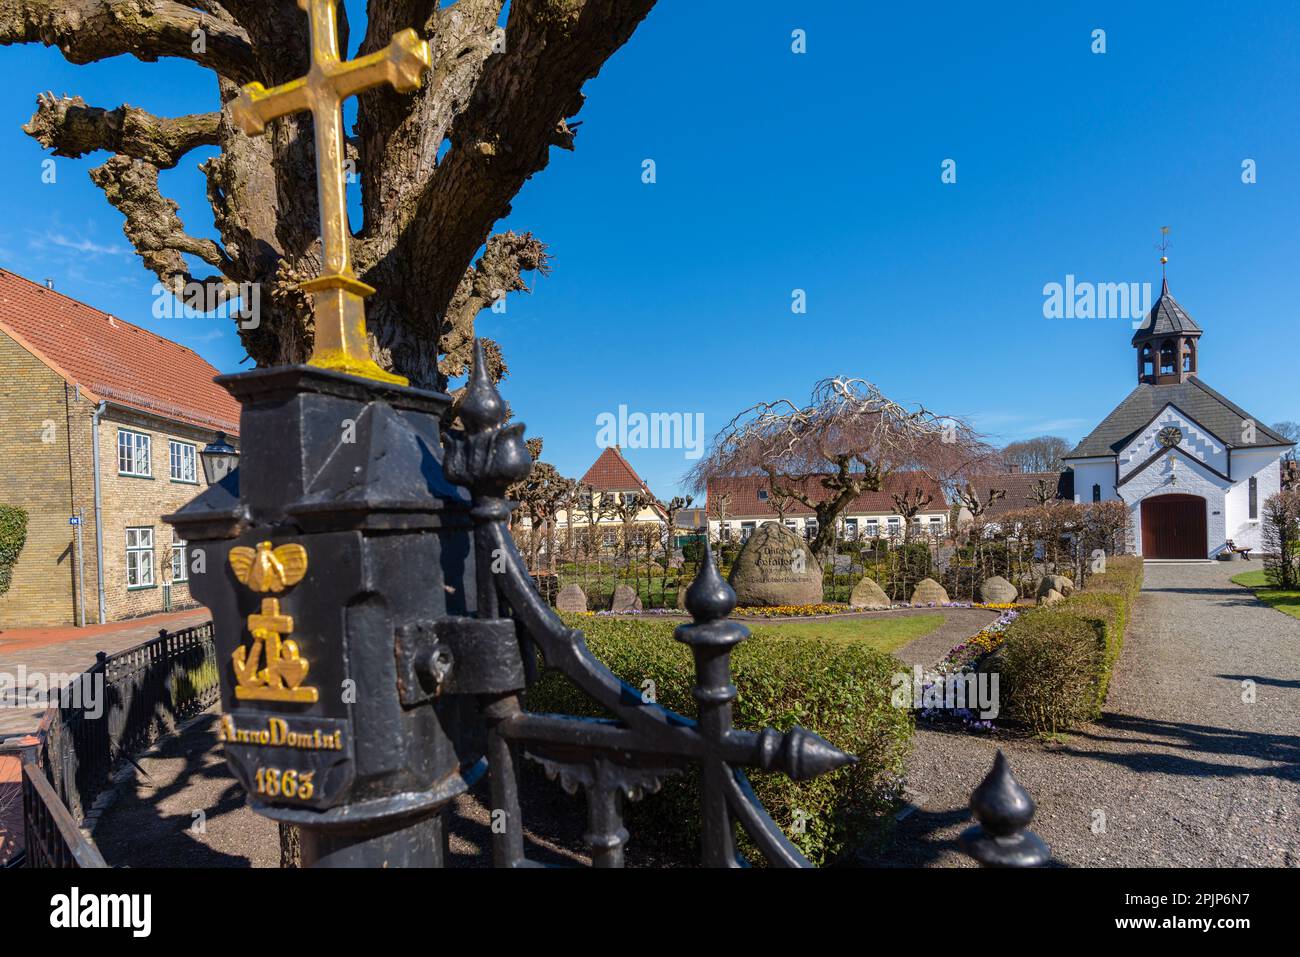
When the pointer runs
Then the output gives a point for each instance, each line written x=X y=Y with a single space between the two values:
x=873 y=528
x=746 y=529
x=133 y=453
x=791 y=523
x=895 y=526
x=180 y=559
x=850 y=528
x=183 y=457
x=139 y=557
x=726 y=531
x=611 y=538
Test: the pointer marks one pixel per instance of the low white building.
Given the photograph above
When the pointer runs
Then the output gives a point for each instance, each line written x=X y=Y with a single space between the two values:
x=736 y=506
x=1194 y=468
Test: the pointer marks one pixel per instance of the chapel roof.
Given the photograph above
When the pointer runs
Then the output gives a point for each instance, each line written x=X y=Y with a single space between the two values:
x=1212 y=411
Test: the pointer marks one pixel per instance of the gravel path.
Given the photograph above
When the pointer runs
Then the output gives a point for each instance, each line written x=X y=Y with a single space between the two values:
x=958 y=625
x=1179 y=772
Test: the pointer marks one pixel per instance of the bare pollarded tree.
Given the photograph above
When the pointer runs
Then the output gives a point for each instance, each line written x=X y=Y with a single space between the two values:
x=909 y=503
x=846 y=440
x=498 y=98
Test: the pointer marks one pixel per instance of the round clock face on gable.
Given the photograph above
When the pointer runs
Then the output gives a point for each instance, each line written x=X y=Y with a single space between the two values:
x=1169 y=436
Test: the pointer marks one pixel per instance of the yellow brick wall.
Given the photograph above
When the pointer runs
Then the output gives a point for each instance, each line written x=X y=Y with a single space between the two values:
x=130 y=502
x=50 y=479
x=34 y=475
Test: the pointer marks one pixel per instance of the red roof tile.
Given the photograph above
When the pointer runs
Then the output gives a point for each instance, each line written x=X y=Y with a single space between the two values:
x=112 y=359
x=1020 y=488
x=612 y=473
x=745 y=502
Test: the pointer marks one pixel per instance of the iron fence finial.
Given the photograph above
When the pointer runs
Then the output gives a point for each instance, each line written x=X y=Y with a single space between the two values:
x=1003 y=809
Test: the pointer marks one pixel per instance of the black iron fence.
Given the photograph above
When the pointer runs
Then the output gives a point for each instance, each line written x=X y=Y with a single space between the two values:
x=118 y=707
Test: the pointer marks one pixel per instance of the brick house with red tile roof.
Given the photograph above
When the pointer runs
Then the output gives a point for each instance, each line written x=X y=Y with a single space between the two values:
x=736 y=506
x=104 y=420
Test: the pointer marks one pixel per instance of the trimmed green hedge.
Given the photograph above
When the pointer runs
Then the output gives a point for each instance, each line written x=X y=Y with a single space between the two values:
x=1050 y=665
x=840 y=690
x=13 y=536
x=1058 y=660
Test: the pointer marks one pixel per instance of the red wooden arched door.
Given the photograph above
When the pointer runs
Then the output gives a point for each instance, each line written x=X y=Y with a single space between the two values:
x=1173 y=526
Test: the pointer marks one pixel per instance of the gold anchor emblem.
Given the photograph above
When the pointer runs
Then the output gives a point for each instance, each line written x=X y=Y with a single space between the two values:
x=285 y=669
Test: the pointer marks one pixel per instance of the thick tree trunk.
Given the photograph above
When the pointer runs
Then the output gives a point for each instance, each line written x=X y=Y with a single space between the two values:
x=499 y=98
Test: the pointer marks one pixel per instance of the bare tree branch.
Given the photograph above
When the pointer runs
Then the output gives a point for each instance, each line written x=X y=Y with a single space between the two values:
x=151 y=224
x=498 y=271
x=502 y=136
x=70 y=128
x=90 y=30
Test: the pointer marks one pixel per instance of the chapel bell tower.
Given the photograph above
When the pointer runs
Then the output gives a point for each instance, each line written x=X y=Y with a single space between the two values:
x=1166 y=342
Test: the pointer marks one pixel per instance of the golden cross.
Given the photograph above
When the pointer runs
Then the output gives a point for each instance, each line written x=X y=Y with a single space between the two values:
x=338 y=295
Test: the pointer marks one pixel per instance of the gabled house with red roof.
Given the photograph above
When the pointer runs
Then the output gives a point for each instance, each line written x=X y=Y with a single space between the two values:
x=101 y=421
x=613 y=484
x=738 y=505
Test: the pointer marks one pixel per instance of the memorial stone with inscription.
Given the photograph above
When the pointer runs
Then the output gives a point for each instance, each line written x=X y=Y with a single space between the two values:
x=776 y=567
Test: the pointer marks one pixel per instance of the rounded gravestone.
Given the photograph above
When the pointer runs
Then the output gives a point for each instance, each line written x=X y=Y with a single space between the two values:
x=776 y=567
x=998 y=591
x=625 y=599
x=1057 y=583
x=571 y=598
x=929 y=592
x=867 y=594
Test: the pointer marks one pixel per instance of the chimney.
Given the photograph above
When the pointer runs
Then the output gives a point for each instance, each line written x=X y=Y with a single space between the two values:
x=49 y=283
x=1013 y=468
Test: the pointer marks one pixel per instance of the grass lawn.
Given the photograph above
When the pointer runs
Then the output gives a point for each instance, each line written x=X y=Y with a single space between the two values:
x=1287 y=602
x=883 y=634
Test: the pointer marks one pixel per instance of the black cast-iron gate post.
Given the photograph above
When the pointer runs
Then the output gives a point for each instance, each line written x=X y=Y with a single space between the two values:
x=372 y=564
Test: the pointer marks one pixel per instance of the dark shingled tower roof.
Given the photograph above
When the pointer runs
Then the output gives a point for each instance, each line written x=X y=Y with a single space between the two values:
x=1166 y=318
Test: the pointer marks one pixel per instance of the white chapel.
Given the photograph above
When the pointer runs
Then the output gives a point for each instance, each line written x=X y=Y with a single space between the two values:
x=1193 y=467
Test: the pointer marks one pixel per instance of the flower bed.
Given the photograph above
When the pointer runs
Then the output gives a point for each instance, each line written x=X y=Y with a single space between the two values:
x=966 y=658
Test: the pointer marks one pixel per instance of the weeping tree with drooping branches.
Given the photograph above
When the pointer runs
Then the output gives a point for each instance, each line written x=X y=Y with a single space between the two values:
x=847 y=439
x=438 y=167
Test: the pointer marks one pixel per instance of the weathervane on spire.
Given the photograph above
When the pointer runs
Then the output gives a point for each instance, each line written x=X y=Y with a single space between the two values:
x=1163 y=246
x=338 y=295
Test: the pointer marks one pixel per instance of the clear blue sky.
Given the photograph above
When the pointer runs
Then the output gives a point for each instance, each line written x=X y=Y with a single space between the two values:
x=821 y=172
